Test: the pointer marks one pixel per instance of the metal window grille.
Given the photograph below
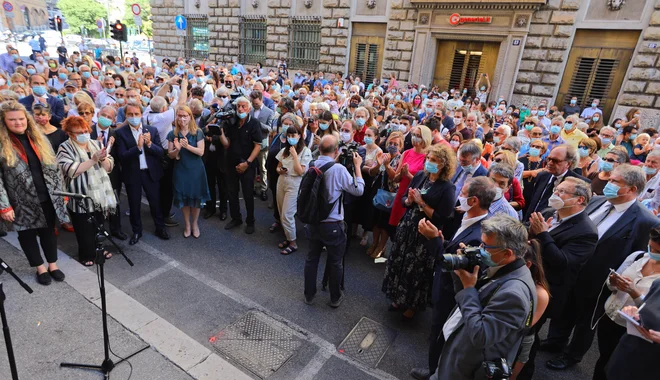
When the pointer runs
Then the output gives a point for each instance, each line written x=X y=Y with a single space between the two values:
x=465 y=69
x=593 y=79
x=196 y=40
x=304 y=42
x=252 y=39
x=366 y=62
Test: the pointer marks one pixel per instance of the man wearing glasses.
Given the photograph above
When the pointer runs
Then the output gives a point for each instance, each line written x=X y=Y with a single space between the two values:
x=607 y=138
x=558 y=166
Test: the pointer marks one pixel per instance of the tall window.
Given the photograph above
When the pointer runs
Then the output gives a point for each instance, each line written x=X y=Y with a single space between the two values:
x=196 y=41
x=304 y=42
x=252 y=39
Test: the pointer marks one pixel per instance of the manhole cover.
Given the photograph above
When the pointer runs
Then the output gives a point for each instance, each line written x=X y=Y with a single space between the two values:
x=257 y=342
x=367 y=342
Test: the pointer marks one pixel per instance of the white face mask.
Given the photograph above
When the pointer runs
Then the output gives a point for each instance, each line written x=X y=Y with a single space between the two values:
x=345 y=136
x=463 y=206
x=556 y=202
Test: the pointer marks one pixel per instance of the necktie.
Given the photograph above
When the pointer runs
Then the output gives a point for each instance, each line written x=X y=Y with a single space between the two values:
x=103 y=137
x=547 y=191
x=460 y=181
x=606 y=210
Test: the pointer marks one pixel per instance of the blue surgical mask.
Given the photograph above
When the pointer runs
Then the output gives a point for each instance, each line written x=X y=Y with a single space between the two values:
x=86 y=74
x=14 y=56
x=499 y=112
x=31 y=71
x=345 y=136
x=496 y=139
x=429 y=110
x=39 y=90
x=606 y=166
x=529 y=127
x=292 y=141
x=595 y=118
x=324 y=126
x=286 y=87
x=649 y=171
x=653 y=255
x=534 y=152
x=633 y=136
x=594 y=104
x=62 y=76
x=134 y=121
x=605 y=142
x=69 y=95
x=109 y=90
x=360 y=121
x=82 y=138
x=467 y=168
x=104 y=122
x=541 y=113
x=611 y=190
x=242 y=115
x=368 y=140
x=70 y=69
x=486 y=258
x=483 y=88
x=573 y=101
x=584 y=152
x=431 y=167
x=145 y=100
x=568 y=126
x=555 y=129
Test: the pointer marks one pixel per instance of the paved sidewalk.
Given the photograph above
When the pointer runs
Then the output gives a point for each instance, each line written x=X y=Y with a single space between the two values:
x=62 y=323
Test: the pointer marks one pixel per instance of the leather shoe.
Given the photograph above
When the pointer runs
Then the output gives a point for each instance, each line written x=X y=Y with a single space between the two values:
x=550 y=347
x=264 y=196
x=249 y=229
x=420 y=373
x=120 y=235
x=135 y=239
x=43 y=278
x=233 y=223
x=561 y=362
x=208 y=213
x=163 y=234
x=223 y=216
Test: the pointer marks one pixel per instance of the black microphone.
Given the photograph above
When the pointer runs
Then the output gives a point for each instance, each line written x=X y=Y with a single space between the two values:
x=70 y=195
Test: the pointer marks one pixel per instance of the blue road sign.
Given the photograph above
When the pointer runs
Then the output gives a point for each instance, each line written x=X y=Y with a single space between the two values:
x=180 y=22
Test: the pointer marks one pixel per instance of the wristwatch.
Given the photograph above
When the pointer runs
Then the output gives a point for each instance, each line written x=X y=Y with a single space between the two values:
x=248 y=162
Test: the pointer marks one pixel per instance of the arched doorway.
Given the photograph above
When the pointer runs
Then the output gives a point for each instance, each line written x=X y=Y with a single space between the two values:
x=26 y=17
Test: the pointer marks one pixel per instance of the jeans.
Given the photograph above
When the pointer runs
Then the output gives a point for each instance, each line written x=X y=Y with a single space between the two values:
x=332 y=235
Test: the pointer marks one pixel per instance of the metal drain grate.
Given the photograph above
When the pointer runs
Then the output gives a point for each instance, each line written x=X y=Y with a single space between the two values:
x=257 y=342
x=367 y=342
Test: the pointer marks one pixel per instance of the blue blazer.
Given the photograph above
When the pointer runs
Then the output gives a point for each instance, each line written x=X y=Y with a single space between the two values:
x=129 y=154
x=56 y=108
x=480 y=172
x=268 y=102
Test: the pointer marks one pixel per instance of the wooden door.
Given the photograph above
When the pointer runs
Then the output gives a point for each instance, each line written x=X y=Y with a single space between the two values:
x=459 y=64
x=366 y=57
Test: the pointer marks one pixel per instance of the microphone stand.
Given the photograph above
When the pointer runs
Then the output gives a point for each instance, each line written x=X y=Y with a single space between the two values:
x=3 y=316
x=101 y=234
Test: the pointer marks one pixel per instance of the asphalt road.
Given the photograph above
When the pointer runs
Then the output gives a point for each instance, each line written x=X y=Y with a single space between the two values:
x=203 y=285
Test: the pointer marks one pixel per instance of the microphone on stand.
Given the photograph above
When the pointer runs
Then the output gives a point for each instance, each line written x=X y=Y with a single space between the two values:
x=70 y=195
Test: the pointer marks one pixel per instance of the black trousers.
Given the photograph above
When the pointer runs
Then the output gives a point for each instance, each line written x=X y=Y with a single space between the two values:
x=245 y=182
x=85 y=234
x=272 y=185
x=166 y=190
x=216 y=176
x=28 y=238
x=115 y=219
x=441 y=311
x=333 y=237
x=609 y=334
x=348 y=210
x=575 y=318
x=134 y=192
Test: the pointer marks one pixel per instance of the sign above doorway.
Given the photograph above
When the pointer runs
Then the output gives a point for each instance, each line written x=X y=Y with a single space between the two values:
x=456 y=19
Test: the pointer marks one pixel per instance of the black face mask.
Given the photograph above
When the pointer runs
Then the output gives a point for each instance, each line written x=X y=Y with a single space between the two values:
x=354 y=105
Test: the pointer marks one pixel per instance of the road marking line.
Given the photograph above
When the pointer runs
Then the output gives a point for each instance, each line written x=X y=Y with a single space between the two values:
x=151 y=275
x=314 y=366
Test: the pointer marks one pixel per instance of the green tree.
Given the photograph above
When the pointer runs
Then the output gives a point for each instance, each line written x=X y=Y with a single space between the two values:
x=147 y=26
x=82 y=13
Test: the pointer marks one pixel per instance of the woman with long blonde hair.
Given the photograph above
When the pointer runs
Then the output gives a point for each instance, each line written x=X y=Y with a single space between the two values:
x=186 y=147
x=28 y=177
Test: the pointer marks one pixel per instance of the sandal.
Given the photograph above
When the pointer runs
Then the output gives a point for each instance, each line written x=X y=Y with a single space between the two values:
x=274 y=227
x=88 y=263
x=289 y=250
x=283 y=244
x=107 y=255
x=377 y=254
x=370 y=250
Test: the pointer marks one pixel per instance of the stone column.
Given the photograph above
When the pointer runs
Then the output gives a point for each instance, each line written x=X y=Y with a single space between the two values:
x=277 y=32
x=399 y=40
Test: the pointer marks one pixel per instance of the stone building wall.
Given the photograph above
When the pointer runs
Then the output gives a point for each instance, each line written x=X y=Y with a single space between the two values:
x=334 y=39
x=400 y=40
x=223 y=30
x=546 y=47
x=166 y=42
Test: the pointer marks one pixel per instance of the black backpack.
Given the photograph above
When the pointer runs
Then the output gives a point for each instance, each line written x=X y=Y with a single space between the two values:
x=313 y=199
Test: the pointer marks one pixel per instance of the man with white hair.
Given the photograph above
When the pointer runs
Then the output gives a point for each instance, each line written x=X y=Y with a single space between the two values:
x=501 y=133
x=244 y=143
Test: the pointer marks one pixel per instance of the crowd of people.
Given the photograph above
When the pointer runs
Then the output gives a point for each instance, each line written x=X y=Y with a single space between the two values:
x=501 y=216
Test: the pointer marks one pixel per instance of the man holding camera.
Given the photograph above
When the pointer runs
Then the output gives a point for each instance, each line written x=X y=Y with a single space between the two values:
x=244 y=143
x=474 y=200
x=493 y=311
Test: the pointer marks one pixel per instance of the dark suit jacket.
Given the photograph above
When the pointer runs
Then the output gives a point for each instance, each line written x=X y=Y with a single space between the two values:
x=56 y=108
x=440 y=197
x=480 y=172
x=629 y=234
x=129 y=154
x=535 y=203
x=565 y=250
x=115 y=174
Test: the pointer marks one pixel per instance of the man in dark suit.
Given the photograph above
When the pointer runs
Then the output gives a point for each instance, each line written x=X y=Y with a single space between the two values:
x=105 y=132
x=475 y=199
x=40 y=95
x=140 y=155
x=469 y=160
x=558 y=166
x=623 y=227
x=568 y=239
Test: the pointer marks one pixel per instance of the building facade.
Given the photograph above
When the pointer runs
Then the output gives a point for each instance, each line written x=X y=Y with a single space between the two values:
x=25 y=15
x=530 y=49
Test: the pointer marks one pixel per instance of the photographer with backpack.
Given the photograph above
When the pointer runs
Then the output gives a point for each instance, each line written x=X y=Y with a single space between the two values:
x=320 y=208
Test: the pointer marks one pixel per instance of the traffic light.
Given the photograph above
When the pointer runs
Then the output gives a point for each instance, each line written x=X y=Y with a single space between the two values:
x=53 y=25
x=119 y=32
x=58 y=23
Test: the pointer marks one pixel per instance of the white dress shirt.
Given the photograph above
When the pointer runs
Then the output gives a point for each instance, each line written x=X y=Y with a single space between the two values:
x=143 y=159
x=103 y=132
x=161 y=121
x=614 y=215
x=467 y=222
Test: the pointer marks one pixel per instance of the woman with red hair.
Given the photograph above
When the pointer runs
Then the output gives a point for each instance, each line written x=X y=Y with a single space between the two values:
x=85 y=164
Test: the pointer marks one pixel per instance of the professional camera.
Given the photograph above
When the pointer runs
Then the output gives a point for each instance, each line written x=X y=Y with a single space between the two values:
x=469 y=258
x=346 y=156
x=497 y=370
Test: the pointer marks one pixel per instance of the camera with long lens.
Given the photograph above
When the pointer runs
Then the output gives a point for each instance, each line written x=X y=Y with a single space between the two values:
x=229 y=110
x=346 y=156
x=468 y=258
x=497 y=370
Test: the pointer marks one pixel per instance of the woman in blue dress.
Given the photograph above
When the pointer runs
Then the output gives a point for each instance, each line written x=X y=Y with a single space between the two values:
x=186 y=147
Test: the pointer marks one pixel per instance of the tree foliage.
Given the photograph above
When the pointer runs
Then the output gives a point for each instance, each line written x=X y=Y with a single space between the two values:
x=82 y=13
x=147 y=26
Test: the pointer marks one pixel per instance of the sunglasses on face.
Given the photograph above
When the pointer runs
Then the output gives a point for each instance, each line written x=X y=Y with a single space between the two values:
x=610 y=160
x=554 y=160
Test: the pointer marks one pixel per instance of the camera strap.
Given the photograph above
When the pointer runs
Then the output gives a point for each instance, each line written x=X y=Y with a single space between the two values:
x=528 y=321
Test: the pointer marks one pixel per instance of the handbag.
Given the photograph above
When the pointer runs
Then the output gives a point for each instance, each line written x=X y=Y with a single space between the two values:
x=384 y=199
